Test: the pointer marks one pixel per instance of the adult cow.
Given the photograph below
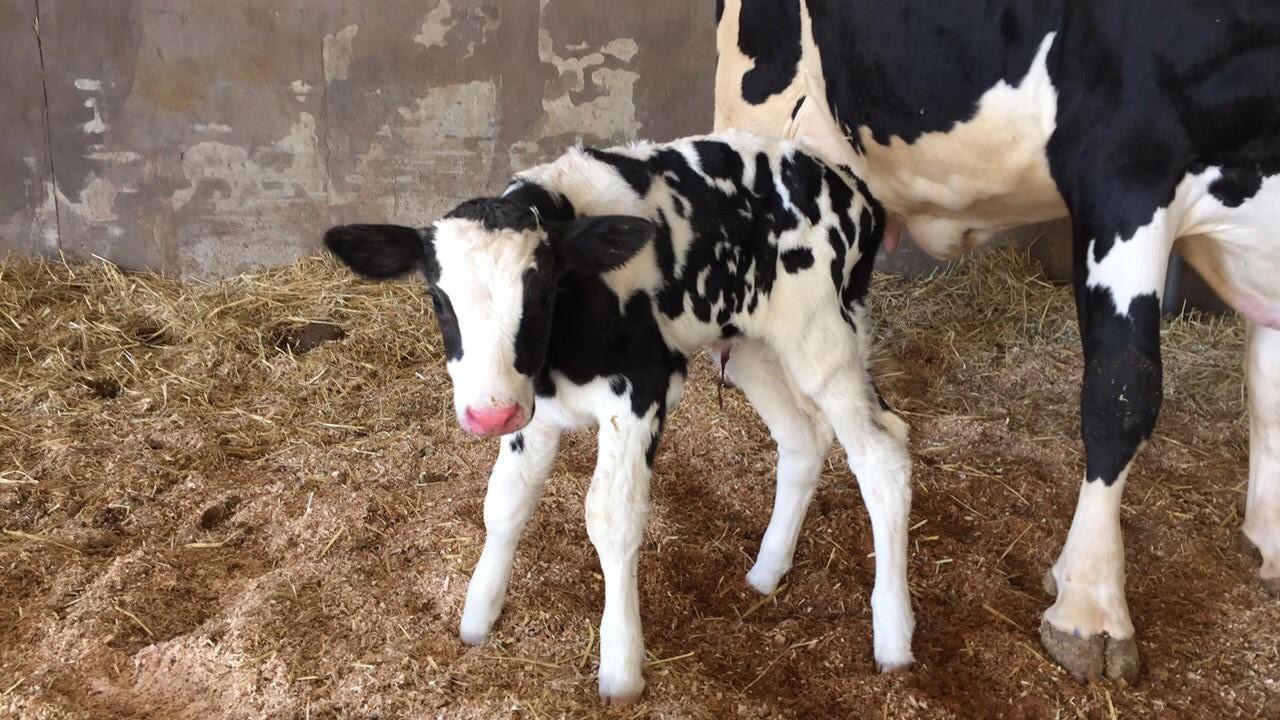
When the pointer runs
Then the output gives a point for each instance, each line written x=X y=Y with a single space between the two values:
x=1154 y=125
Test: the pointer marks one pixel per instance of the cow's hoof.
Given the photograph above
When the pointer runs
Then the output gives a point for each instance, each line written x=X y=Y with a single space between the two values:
x=1048 y=583
x=1092 y=658
x=620 y=693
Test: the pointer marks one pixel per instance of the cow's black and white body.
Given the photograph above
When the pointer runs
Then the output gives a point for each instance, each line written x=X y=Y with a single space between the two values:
x=573 y=301
x=1154 y=125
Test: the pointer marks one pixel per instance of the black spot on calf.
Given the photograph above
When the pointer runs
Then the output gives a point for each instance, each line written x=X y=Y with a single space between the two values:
x=797 y=259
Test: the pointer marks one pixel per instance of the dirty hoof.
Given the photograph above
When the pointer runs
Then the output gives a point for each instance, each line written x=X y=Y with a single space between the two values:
x=1048 y=583
x=1092 y=658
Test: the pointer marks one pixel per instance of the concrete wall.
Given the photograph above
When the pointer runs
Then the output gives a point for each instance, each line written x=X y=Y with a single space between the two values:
x=203 y=138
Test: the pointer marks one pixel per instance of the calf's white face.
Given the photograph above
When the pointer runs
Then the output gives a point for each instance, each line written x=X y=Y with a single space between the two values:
x=491 y=268
x=480 y=300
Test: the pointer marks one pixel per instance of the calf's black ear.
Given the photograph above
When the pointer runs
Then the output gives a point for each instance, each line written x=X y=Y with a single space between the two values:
x=379 y=252
x=599 y=244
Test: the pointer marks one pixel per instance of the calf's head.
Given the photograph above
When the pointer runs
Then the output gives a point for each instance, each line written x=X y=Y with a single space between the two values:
x=492 y=267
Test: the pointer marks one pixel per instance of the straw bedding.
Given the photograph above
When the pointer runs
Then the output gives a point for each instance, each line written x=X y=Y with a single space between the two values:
x=250 y=499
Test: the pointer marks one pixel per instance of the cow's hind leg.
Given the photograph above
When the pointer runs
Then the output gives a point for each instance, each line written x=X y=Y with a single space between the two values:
x=1088 y=629
x=826 y=363
x=514 y=488
x=1262 y=513
x=803 y=437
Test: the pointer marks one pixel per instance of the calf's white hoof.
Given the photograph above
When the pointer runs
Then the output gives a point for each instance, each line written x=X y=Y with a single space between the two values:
x=895 y=658
x=764 y=579
x=895 y=666
x=1092 y=657
x=473 y=630
x=620 y=691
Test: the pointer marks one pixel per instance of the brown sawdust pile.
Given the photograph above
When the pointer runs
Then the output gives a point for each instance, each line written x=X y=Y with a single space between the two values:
x=214 y=507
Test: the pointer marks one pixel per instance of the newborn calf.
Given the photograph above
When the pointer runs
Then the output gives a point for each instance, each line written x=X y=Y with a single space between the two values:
x=574 y=299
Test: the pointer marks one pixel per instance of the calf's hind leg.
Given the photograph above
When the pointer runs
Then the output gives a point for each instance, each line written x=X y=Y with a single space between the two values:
x=827 y=365
x=803 y=437
x=514 y=488
x=1262 y=513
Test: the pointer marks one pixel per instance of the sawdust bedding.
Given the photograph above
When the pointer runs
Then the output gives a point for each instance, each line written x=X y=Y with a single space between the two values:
x=250 y=500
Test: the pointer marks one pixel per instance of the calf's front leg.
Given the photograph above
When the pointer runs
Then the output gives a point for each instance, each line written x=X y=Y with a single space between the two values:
x=514 y=488
x=617 y=510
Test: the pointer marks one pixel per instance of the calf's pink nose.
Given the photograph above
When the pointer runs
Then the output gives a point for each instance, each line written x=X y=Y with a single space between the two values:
x=491 y=421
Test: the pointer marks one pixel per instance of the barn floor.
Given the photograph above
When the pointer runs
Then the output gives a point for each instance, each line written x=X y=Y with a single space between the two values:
x=203 y=516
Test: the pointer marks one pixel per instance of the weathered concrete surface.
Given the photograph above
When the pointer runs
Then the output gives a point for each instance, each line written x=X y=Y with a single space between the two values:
x=28 y=223
x=211 y=138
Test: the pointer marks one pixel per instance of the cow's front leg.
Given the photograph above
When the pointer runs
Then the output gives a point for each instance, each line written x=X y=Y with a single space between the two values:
x=1262 y=512
x=617 y=510
x=1088 y=629
x=515 y=485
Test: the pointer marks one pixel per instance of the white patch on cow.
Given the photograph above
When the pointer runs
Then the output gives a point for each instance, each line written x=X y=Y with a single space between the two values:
x=1090 y=571
x=481 y=271
x=1262 y=511
x=88 y=84
x=1234 y=249
x=954 y=189
x=766 y=119
x=336 y=53
x=436 y=26
x=1135 y=267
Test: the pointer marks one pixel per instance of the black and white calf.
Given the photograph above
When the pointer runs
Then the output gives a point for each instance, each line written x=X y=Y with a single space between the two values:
x=573 y=301
x=1154 y=125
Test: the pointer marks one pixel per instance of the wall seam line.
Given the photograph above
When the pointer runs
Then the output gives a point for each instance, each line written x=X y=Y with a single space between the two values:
x=48 y=132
